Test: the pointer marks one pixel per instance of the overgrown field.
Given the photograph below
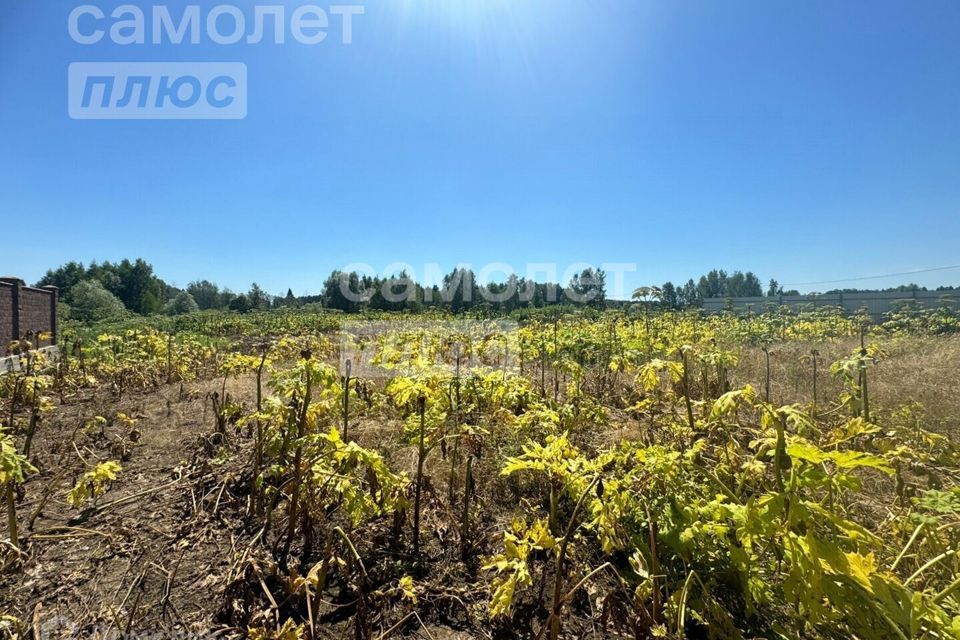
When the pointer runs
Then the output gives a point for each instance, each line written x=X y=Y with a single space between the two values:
x=654 y=475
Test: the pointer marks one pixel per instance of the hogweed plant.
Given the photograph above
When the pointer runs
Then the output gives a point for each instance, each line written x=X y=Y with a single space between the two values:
x=648 y=494
x=13 y=470
x=93 y=484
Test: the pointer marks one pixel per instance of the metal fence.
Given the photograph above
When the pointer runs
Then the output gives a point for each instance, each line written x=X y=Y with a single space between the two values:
x=874 y=303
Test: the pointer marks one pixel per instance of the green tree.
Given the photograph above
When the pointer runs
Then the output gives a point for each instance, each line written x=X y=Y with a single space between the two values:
x=751 y=285
x=460 y=290
x=342 y=291
x=240 y=304
x=669 y=296
x=206 y=294
x=690 y=295
x=182 y=303
x=140 y=290
x=64 y=277
x=589 y=287
x=225 y=298
x=257 y=297
x=89 y=302
x=395 y=293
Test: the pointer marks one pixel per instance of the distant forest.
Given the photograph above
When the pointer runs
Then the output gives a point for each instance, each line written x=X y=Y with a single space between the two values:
x=104 y=289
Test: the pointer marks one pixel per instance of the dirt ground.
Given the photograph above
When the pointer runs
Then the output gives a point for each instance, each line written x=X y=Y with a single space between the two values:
x=169 y=550
x=158 y=548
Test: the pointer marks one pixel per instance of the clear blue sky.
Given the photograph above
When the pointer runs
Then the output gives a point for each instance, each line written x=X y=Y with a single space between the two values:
x=807 y=141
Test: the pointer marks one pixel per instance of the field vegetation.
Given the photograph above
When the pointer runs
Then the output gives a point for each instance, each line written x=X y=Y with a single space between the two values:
x=645 y=473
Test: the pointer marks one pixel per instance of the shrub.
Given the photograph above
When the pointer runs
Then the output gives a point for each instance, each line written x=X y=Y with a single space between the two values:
x=182 y=303
x=89 y=301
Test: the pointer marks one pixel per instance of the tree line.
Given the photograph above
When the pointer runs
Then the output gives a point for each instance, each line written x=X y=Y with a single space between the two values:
x=105 y=289
x=717 y=283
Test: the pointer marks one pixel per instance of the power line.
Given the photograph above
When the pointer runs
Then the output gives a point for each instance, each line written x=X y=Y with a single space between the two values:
x=886 y=275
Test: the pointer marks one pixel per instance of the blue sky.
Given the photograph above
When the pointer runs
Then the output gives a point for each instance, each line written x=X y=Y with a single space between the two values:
x=805 y=141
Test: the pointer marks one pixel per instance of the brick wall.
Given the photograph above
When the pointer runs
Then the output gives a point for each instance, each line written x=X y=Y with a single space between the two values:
x=36 y=315
x=26 y=312
x=6 y=316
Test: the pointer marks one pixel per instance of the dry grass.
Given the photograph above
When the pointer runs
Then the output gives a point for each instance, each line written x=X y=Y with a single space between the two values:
x=921 y=369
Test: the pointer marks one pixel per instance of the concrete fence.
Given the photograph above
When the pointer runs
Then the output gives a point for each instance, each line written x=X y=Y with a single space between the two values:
x=25 y=313
x=876 y=304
